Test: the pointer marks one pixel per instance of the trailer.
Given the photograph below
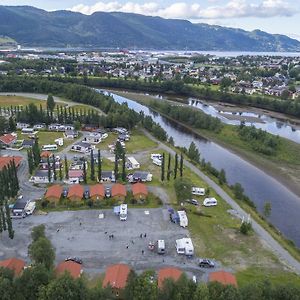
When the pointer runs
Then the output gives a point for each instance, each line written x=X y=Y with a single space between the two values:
x=133 y=163
x=161 y=247
x=157 y=161
x=185 y=246
x=210 y=202
x=183 y=220
x=198 y=191
x=123 y=212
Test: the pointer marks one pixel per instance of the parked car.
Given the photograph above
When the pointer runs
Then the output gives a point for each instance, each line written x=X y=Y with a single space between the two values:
x=107 y=192
x=86 y=194
x=193 y=201
x=74 y=258
x=206 y=263
x=65 y=193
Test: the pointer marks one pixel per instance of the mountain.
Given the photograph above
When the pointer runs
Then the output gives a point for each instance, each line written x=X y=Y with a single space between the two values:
x=30 y=26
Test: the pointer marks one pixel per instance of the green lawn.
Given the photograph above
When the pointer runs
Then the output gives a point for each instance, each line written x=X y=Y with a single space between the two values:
x=139 y=142
x=7 y=101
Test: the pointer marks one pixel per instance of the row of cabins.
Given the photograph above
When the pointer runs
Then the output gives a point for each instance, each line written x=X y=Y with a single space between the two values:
x=116 y=276
x=96 y=192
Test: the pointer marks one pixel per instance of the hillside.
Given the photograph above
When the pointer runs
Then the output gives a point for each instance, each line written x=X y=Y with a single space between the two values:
x=30 y=26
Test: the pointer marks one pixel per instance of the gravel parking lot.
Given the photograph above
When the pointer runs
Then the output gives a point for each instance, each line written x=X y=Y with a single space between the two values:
x=83 y=234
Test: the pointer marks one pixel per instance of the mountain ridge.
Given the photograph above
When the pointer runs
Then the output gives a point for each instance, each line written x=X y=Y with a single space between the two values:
x=32 y=26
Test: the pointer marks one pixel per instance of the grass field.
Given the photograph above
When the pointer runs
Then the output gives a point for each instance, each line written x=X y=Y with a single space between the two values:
x=7 y=101
x=139 y=142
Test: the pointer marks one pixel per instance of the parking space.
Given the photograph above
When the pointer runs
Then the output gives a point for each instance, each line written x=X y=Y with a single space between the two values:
x=83 y=234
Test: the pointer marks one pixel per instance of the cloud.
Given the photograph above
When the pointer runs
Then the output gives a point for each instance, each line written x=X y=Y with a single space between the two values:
x=182 y=10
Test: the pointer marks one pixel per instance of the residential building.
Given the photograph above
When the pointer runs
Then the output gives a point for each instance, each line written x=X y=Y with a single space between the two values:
x=82 y=147
x=71 y=267
x=6 y=160
x=167 y=273
x=93 y=138
x=75 y=177
x=41 y=176
x=8 y=140
x=71 y=134
x=14 y=264
x=28 y=143
x=141 y=176
x=108 y=176
x=75 y=193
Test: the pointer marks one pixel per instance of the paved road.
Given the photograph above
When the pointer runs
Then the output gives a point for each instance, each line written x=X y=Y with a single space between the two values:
x=278 y=250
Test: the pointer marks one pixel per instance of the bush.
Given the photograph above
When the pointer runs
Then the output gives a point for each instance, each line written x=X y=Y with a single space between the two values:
x=245 y=228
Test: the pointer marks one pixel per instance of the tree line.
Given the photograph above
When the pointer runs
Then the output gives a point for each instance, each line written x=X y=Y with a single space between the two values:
x=9 y=187
x=287 y=106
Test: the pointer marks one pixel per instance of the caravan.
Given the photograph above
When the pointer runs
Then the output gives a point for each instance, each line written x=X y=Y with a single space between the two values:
x=183 y=220
x=185 y=246
x=161 y=247
x=198 y=191
x=49 y=147
x=157 y=161
x=210 y=202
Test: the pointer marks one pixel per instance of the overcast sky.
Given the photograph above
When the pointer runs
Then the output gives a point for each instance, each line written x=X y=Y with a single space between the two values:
x=274 y=16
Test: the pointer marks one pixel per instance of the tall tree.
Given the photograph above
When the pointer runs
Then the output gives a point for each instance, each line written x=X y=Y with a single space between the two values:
x=175 y=166
x=92 y=166
x=66 y=168
x=181 y=165
x=99 y=165
x=116 y=169
x=54 y=169
x=30 y=161
x=193 y=152
x=50 y=103
x=123 y=167
x=36 y=153
x=49 y=169
x=12 y=124
x=11 y=232
x=60 y=172
x=84 y=172
x=222 y=177
x=169 y=167
x=162 y=175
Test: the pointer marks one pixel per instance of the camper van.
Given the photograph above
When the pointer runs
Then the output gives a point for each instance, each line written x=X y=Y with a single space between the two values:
x=161 y=247
x=198 y=191
x=210 y=202
x=157 y=161
x=185 y=246
x=183 y=220
x=123 y=212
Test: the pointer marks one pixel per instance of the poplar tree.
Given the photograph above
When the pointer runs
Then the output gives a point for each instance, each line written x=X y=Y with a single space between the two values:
x=66 y=168
x=123 y=167
x=30 y=161
x=54 y=169
x=181 y=165
x=176 y=166
x=11 y=232
x=36 y=153
x=60 y=172
x=99 y=165
x=169 y=167
x=49 y=169
x=163 y=167
x=116 y=168
x=84 y=172
x=92 y=166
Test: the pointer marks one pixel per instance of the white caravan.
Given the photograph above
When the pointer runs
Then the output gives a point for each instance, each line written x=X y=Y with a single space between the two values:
x=123 y=212
x=198 y=191
x=183 y=220
x=210 y=202
x=185 y=246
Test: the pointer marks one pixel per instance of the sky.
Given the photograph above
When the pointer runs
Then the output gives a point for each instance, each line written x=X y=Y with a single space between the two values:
x=273 y=16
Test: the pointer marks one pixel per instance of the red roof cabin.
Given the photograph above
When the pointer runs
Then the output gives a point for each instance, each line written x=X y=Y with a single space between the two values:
x=97 y=192
x=71 y=267
x=139 y=191
x=15 y=264
x=7 y=140
x=75 y=192
x=168 y=273
x=53 y=193
x=223 y=277
x=118 y=191
x=116 y=276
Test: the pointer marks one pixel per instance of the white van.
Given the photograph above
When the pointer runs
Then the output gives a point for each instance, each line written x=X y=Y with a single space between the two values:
x=123 y=212
x=161 y=247
x=210 y=202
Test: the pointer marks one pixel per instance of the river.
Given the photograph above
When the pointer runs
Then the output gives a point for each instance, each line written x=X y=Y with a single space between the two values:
x=272 y=125
x=259 y=186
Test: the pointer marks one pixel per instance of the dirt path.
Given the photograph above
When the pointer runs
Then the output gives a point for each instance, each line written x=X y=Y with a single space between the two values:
x=278 y=250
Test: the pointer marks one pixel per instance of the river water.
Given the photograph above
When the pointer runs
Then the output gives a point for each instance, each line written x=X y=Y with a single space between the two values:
x=259 y=186
x=272 y=125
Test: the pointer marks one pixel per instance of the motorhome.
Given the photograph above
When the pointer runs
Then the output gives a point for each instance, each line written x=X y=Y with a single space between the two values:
x=157 y=156
x=183 y=220
x=30 y=207
x=185 y=246
x=161 y=247
x=123 y=212
x=132 y=163
x=27 y=131
x=210 y=202
x=198 y=191
x=52 y=147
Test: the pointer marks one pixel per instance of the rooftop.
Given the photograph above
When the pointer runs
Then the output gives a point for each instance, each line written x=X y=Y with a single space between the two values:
x=118 y=190
x=72 y=267
x=139 y=188
x=116 y=276
x=223 y=277
x=14 y=264
x=168 y=273
x=76 y=190
x=54 y=191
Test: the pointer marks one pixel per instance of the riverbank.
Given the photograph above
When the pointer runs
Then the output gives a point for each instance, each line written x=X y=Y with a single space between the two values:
x=285 y=169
